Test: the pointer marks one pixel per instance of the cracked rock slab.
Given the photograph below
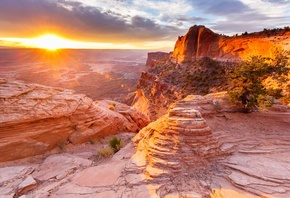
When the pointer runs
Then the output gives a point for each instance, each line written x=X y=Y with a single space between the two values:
x=102 y=175
x=59 y=166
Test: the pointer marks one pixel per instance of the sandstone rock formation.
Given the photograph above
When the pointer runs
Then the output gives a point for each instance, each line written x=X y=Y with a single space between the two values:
x=150 y=97
x=154 y=58
x=207 y=59
x=202 y=42
x=35 y=119
x=178 y=141
x=241 y=156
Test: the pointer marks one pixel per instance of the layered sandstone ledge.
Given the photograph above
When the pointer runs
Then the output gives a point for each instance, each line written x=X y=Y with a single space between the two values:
x=35 y=119
x=178 y=141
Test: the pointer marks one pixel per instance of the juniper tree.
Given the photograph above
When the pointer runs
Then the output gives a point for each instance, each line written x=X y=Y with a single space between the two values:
x=247 y=79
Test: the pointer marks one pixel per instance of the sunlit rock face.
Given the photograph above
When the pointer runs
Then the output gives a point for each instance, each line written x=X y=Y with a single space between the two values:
x=35 y=119
x=154 y=58
x=202 y=42
x=178 y=141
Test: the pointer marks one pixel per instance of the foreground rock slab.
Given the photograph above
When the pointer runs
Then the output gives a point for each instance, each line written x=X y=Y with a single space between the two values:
x=246 y=156
x=35 y=119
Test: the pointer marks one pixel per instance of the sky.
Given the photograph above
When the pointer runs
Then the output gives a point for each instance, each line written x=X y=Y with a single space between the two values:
x=142 y=24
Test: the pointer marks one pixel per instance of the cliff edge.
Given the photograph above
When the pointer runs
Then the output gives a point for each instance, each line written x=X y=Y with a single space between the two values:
x=200 y=42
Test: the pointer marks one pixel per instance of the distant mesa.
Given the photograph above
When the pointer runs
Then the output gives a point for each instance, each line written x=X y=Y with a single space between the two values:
x=200 y=42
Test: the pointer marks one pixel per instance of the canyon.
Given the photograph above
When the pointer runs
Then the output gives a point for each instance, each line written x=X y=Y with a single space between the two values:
x=100 y=74
x=182 y=136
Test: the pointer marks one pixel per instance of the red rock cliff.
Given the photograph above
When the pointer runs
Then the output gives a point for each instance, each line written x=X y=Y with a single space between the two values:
x=202 y=42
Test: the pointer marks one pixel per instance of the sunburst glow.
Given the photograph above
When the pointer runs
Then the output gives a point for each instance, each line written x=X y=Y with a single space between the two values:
x=50 y=42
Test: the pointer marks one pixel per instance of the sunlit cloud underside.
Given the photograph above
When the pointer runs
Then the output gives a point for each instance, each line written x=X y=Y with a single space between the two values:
x=133 y=23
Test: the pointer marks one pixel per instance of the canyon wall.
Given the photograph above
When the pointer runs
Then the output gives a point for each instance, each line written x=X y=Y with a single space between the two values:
x=200 y=42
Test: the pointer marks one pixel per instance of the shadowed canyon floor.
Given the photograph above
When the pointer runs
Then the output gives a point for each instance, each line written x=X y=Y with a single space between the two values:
x=249 y=158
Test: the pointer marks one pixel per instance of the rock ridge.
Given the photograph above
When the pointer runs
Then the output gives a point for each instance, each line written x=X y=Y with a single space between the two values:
x=35 y=119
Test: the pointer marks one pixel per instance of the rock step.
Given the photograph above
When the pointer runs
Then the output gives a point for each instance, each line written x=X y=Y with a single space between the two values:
x=184 y=113
x=187 y=122
x=165 y=163
x=206 y=131
x=155 y=172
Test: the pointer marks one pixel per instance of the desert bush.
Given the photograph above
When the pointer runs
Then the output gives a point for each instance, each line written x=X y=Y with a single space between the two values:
x=105 y=152
x=116 y=144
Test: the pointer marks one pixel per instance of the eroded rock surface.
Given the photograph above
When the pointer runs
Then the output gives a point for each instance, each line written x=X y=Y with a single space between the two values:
x=35 y=119
x=241 y=156
x=178 y=141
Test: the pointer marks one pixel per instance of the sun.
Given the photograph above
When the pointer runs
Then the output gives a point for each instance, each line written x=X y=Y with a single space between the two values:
x=50 y=42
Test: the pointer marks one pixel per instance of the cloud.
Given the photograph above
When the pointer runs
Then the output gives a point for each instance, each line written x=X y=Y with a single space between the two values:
x=277 y=1
x=137 y=21
x=227 y=7
x=236 y=16
x=221 y=7
x=78 y=21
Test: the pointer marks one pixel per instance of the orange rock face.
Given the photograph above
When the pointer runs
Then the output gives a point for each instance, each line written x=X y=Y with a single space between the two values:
x=202 y=42
x=35 y=119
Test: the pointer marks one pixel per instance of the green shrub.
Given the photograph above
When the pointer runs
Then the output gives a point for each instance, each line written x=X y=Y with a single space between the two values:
x=247 y=80
x=116 y=144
